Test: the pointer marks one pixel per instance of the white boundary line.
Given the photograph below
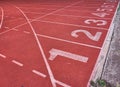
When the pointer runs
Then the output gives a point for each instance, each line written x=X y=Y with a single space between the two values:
x=1 y=17
x=96 y=73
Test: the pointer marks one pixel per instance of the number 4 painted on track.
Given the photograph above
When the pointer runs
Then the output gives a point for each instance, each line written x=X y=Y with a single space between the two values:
x=55 y=52
x=100 y=14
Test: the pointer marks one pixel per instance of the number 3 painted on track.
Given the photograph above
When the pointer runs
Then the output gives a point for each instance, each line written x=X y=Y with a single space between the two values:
x=99 y=22
x=96 y=37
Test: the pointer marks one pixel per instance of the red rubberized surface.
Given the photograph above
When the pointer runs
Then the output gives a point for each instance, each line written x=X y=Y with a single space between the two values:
x=70 y=35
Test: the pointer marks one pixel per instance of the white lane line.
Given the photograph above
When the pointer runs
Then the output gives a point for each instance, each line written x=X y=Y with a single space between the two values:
x=81 y=16
x=63 y=40
x=2 y=17
x=36 y=8
x=62 y=84
x=3 y=56
x=17 y=63
x=40 y=48
x=39 y=73
x=26 y=32
x=72 y=25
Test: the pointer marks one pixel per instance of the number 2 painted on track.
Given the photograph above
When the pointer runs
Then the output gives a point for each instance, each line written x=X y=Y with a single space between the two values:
x=96 y=37
x=99 y=22
x=55 y=52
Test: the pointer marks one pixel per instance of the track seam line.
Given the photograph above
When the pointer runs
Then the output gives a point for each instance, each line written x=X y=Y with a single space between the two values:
x=67 y=24
x=71 y=15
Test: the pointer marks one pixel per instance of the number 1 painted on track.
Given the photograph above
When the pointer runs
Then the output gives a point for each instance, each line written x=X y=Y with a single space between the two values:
x=55 y=52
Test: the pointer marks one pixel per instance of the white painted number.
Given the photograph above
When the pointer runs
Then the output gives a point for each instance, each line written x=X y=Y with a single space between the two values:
x=96 y=37
x=104 y=9
x=99 y=22
x=55 y=52
x=103 y=14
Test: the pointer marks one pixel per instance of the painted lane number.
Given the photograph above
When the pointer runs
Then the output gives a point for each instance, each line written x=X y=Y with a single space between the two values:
x=105 y=9
x=55 y=52
x=103 y=14
x=99 y=22
x=96 y=37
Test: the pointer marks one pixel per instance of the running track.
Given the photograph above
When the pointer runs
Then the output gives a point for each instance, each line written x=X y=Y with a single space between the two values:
x=52 y=43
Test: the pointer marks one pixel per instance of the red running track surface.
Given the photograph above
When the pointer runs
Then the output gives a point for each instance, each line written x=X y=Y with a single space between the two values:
x=63 y=47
